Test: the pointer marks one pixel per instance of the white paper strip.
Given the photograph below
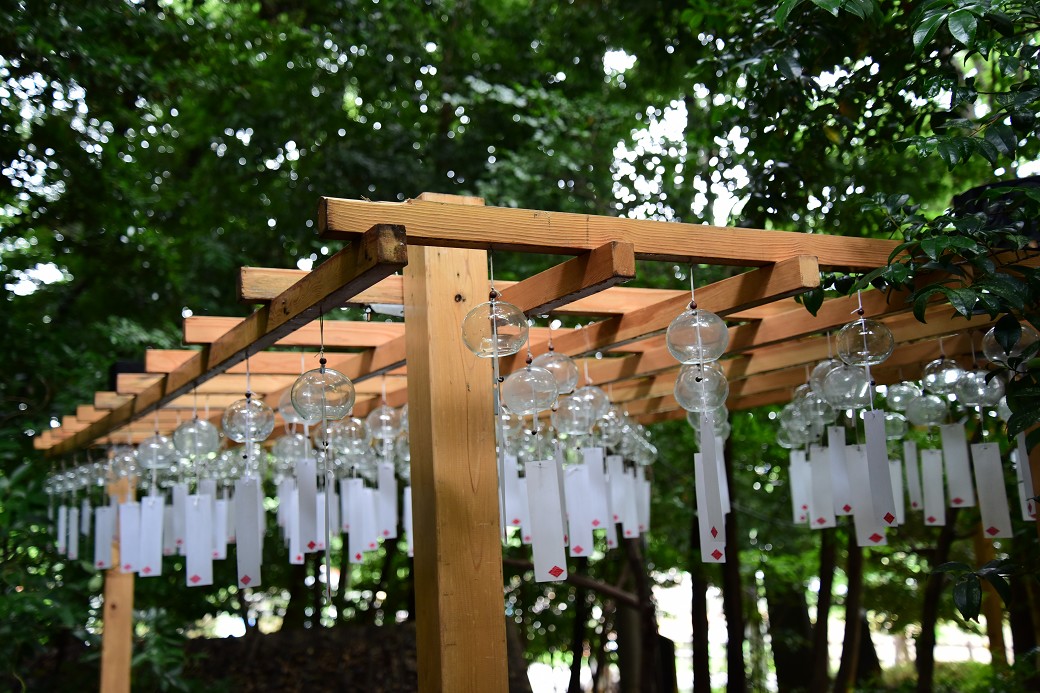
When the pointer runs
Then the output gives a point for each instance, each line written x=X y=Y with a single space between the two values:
x=800 y=483
x=169 y=547
x=896 y=470
x=151 y=551
x=932 y=487
x=85 y=514
x=708 y=468
x=868 y=526
x=386 y=502
x=958 y=468
x=882 y=496
x=292 y=519
x=514 y=511
x=913 y=475
x=344 y=506
x=610 y=528
x=129 y=536
x=643 y=499
x=713 y=544
x=319 y=519
x=525 y=530
x=307 y=501
x=616 y=485
x=597 y=487
x=198 y=541
x=248 y=531
x=543 y=497
x=839 y=470
x=357 y=539
x=563 y=496
x=630 y=506
x=1024 y=474
x=72 y=546
x=989 y=480
x=579 y=510
x=335 y=523
x=821 y=497
x=62 y=531
x=720 y=458
x=180 y=493
x=220 y=529
x=285 y=487
x=406 y=519
x=104 y=535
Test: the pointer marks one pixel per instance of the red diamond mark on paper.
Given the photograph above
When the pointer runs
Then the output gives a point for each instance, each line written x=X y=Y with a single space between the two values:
x=100 y=564
x=615 y=517
x=821 y=521
x=527 y=537
x=611 y=544
x=958 y=500
x=805 y=507
x=716 y=554
x=888 y=518
x=595 y=523
x=147 y=569
x=578 y=549
x=714 y=533
x=357 y=556
x=516 y=520
x=127 y=567
x=179 y=542
x=216 y=554
x=371 y=544
x=847 y=508
x=311 y=544
x=299 y=557
x=642 y=528
x=194 y=579
x=628 y=532
x=167 y=552
x=875 y=537
x=931 y=518
x=386 y=532
x=566 y=539
x=801 y=518
x=556 y=571
x=992 y=531
x=246 y=580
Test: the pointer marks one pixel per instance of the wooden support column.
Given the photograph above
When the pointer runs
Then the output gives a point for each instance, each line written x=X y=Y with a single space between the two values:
x=458 y=554
x=118 y=615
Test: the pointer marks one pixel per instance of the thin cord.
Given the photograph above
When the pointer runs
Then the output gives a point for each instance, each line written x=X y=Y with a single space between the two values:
x=866 y=366
x=942 y=349
x=496 y=394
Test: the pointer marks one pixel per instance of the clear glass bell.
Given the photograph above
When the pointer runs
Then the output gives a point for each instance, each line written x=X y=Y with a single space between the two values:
x=322 y=394
x=899 y=395
x=156 y=452
x=974 y=390
x=383 y=422
x=563 y=369
x=248 y=419
x=995 y=352
x=926 y=410
x=595 y=399
x=529 y=390
x=701 y=387
x=196 y=438
x=572 y=416
x=941 y=375
x=697 y=336
x=895 y=426
x=847 y=387
x=865 y=342
x=494 y=327
x=819 y=373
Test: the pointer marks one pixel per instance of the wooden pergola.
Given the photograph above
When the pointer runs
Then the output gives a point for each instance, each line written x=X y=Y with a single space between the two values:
x=429 y=255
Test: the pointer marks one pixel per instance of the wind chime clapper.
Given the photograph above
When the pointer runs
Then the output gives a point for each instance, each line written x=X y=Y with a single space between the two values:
x=556 y=480
x=873 y=483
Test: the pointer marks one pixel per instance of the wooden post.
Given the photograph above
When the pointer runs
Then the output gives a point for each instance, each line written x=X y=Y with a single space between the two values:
x=458 y=554
x=117 y=635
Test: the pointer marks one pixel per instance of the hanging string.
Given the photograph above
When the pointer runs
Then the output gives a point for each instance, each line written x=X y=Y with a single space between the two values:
x=866 y=366
x=551 y=348
x=697 y=323
x=942 y=349
x=830 y=346
x=496 y=390
x=326 y=471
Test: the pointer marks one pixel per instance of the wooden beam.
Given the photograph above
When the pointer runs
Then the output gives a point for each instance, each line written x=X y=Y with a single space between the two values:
x=460 y=631
x=745 y=290
x=501 y=228
x=118 y=610
x=377 y=254
x=263 y=284
x=603 y=267
x=339 y=334
x=270 y=362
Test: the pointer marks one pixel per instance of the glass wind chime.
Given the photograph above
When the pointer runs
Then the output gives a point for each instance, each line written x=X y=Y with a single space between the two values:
x=698 y=338
x=572 y=467
x=873 y=479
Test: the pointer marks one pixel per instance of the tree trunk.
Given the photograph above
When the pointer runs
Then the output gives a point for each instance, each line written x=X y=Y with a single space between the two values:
x=581 y=617
x=868 y=669
x=853 y=598
x=699 y=613
x=295 y=613
x=732 y=594
x=629 y=650
x=790 y=632
x=930 y=606
x=820 y=651
x=518 y=681
x=344 y=584
x=1023 y=630
x=647 y=618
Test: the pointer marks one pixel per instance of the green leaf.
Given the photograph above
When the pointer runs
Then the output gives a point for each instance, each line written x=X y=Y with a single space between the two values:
x=813 y=299
x=925 y=30
x=789 y=67
x=967 y=597
x=953 y=567
x=1003 y=138
x=784 y=11
x=1001 y=586
x=963 y=25
x=933 y=246
x=831 y=6
x=1007 y=331
x=963 y=300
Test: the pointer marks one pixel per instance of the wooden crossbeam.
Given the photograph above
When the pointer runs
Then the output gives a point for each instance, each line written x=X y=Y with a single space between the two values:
x=270 y=362
x=378 y=253
x=453 y=225
x=338 y=334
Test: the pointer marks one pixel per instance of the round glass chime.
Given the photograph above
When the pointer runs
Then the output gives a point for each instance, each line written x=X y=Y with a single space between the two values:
x=697 y=338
